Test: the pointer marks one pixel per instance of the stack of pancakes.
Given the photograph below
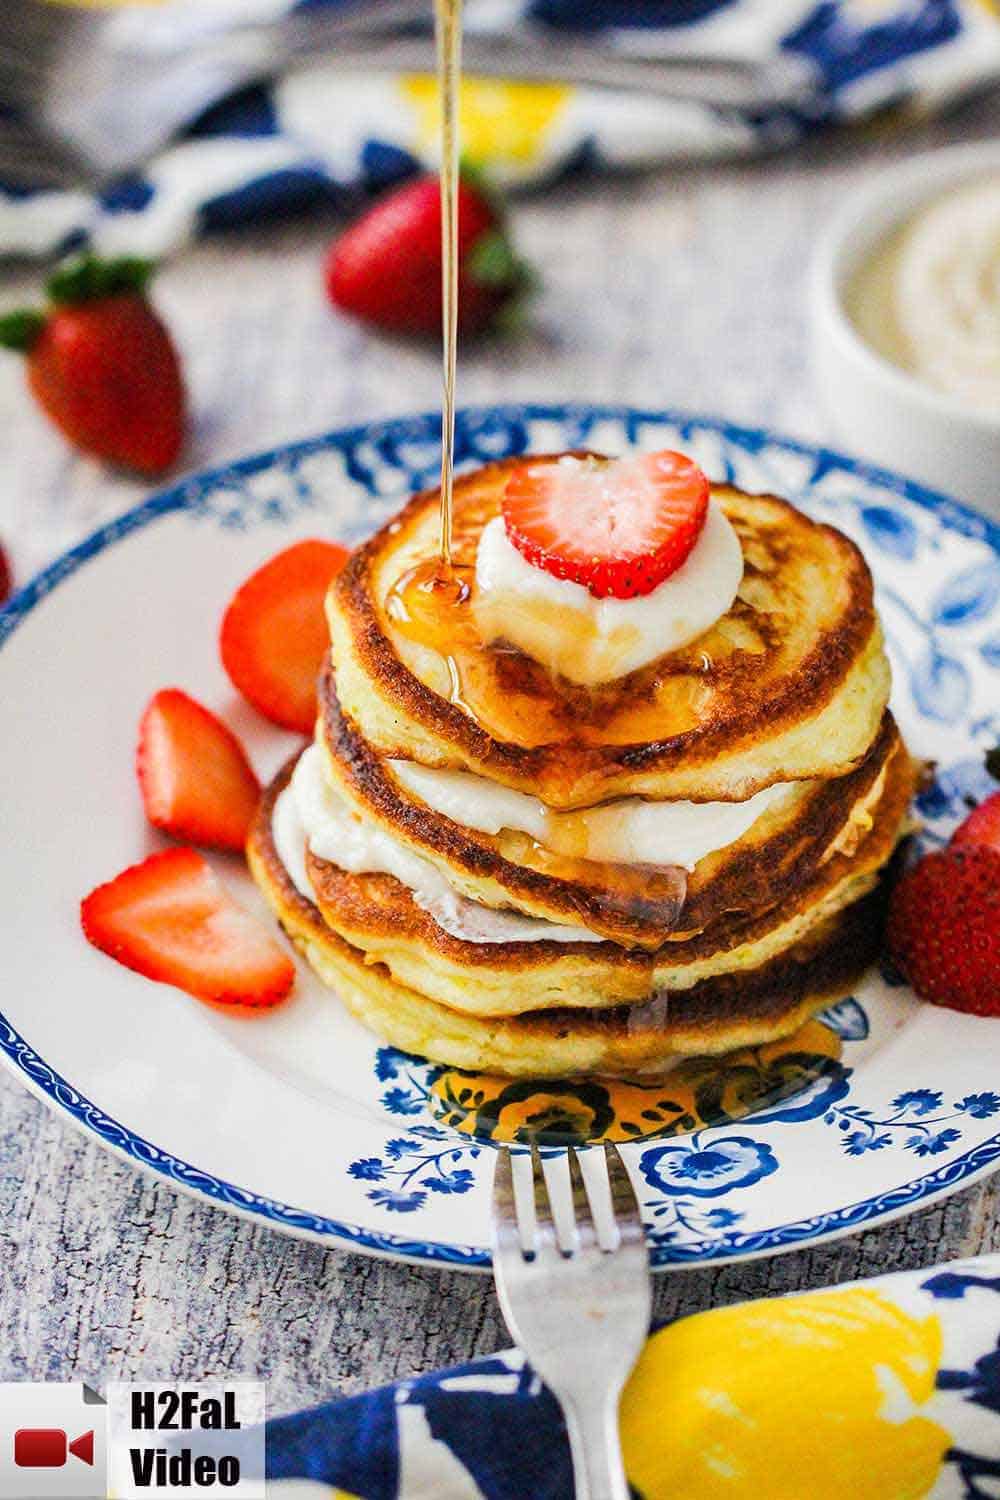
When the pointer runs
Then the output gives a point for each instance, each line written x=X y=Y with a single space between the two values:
x=498 y=947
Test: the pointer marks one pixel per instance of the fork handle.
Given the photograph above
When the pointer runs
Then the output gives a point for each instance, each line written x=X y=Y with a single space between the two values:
x=595 y=1445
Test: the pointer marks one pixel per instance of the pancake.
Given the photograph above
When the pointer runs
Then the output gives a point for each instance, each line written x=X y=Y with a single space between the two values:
x=789 y=685
x=377 y=916
x=630 y=905
x=712 y=1017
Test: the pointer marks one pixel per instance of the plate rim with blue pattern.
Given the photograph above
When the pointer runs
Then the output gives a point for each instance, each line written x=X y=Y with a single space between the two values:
x=885 y=1136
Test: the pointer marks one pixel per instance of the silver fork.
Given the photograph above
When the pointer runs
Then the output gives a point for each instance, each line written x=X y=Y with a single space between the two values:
x=572 y=1275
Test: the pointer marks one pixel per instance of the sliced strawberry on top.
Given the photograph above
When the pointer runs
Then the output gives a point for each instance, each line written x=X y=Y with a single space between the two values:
x=619 y=527
x=196 y=780
x=982 y=826
x=274 y=635
x=172 y=920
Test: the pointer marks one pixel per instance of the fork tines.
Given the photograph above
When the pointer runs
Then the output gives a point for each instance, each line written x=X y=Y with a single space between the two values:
x=559 y=1208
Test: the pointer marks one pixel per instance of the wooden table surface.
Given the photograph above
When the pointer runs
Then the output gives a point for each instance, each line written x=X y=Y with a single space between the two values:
x=682 y=288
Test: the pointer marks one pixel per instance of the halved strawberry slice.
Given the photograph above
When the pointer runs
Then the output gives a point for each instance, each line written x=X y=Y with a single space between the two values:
x=982 y=826
x=274 y=636
x=170 y=919
x=619 y=526
x=194 y=775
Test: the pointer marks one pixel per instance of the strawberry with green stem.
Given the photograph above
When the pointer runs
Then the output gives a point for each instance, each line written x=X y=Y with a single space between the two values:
x=386 y=268
x=102 y=365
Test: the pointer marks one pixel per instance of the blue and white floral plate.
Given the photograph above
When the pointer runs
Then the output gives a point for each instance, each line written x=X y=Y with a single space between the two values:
x=297 y=1118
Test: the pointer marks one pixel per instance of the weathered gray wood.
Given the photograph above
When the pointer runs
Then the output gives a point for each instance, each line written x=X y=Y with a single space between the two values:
x=682 y=288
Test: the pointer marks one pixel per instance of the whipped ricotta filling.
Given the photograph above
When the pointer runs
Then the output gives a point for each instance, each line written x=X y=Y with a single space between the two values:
x=630 y=831
x=589 y=640
x=310 y=812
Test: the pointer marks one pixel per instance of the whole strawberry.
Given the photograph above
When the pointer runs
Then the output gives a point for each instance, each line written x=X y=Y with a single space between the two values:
x=102 y=365
x=944 y=918
x=6 y=578
x=386 y=268
x=982 y=826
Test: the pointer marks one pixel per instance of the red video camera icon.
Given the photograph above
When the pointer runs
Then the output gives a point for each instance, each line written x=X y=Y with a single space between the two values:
x=48 y=1448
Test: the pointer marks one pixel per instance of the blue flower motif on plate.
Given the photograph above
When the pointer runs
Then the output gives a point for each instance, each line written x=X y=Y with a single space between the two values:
x=402 y=1102
x=368 y=1169
x=934 y=1142
x=709 y=1169
x=980 y=1106
x=816 y=1099
x=398 y=1202
x=919 y=1101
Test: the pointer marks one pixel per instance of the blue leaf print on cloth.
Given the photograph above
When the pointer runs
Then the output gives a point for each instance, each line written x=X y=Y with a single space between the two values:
x=600 y=13
x=940 y=685
x=970 y=595
x=478 y=1410
x=845 y=50
x=953 y=1285
x=981 y=1384
x=353 y=1444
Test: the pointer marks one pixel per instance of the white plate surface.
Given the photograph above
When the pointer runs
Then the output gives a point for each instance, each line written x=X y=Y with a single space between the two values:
x=297 y=1117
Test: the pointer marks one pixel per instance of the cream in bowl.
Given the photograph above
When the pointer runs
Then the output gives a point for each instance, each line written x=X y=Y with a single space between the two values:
x=906 y=322
x=928 y=296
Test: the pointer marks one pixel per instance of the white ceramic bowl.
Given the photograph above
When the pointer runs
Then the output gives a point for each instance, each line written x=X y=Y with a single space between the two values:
x=880 y=411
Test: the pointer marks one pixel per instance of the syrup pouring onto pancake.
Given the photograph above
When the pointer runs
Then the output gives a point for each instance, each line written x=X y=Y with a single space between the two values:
x=448 y=27
x=427 y=596
x=619 y=527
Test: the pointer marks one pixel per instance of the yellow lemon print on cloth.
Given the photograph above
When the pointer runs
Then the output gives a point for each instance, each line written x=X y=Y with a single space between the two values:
x=701 y=1091
x=498 y=122
x=816 y=1395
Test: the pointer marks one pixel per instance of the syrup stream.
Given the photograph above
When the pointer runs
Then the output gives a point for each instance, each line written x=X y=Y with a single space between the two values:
x=448 y=30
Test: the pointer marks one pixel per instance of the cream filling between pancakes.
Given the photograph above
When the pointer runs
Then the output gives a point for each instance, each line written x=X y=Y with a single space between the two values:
x=310 y=813
x=589 y=640
x=630 y=831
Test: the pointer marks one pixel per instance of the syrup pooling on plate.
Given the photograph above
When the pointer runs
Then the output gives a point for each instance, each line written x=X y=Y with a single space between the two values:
x=700 y=1091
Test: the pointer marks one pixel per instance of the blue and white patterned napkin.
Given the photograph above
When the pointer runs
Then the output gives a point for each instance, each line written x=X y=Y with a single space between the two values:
x=318 y=133
x=886 y=1389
